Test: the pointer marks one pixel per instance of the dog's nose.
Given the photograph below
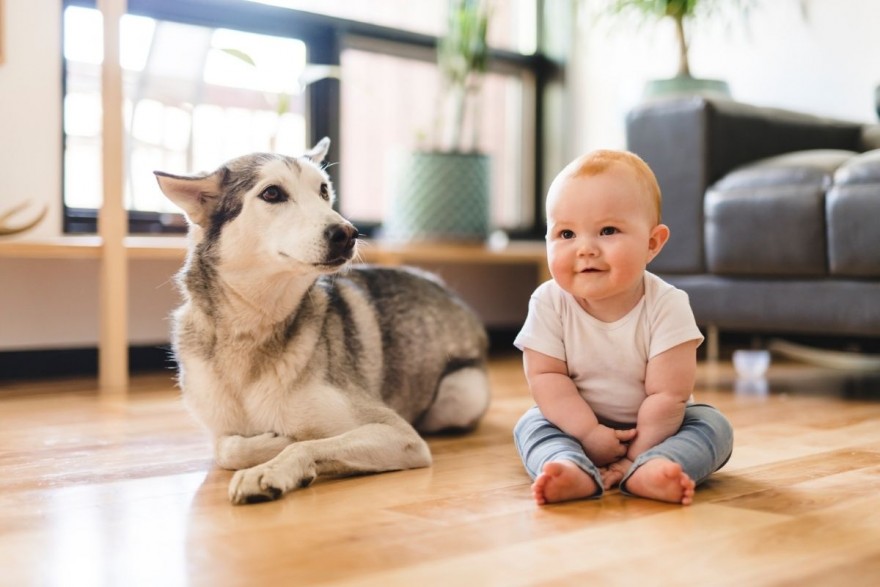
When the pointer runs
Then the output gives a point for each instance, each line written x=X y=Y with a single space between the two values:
x=341 y=237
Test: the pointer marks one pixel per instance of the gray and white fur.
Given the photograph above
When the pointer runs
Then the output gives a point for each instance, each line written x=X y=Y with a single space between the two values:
x=299 y=364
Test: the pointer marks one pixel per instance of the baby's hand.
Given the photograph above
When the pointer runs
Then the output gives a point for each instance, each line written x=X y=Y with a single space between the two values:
x=604 y=445
x=613 y=473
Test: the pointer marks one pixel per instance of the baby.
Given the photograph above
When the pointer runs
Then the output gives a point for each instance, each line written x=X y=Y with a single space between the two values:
x=609 y=349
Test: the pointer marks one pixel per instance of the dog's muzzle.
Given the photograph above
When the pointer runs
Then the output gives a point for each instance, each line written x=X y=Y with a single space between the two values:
x=341 y=239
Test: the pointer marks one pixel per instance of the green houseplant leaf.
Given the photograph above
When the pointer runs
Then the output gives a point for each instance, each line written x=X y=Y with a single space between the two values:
x=462 y=59
x=684 y=13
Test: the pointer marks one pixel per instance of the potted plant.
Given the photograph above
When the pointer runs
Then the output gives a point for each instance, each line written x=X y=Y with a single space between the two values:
x=685 y=14
x=442 y=193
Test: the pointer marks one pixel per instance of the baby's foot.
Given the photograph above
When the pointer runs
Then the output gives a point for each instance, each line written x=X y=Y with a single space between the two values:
x=562 y=481
x=663 y=480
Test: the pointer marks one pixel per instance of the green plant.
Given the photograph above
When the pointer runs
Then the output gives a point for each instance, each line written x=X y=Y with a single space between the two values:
x=462 y=58
x=684 y=13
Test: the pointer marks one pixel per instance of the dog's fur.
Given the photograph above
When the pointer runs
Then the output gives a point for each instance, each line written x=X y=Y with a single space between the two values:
x=299 y=364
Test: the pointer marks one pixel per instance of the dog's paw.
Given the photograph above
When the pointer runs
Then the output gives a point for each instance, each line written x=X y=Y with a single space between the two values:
x=253 y=486
x=265 y=483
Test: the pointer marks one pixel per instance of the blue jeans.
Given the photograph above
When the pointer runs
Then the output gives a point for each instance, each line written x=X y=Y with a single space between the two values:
x=701 y=446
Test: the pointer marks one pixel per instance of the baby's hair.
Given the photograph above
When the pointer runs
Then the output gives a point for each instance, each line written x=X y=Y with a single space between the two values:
x=596 y=162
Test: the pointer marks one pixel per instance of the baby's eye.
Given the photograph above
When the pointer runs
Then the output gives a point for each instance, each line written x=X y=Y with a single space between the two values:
x=566 y=234
x=608 y=231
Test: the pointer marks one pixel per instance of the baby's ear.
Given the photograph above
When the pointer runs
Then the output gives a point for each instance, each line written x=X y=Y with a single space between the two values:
x=659 y=236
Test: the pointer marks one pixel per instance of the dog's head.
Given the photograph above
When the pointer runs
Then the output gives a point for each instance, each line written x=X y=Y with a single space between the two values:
x=267 y=209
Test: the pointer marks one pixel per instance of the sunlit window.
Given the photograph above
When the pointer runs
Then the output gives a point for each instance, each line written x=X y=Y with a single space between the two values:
x=514 y=22
x=194 y=97
x=389 y=106
x=202 y=86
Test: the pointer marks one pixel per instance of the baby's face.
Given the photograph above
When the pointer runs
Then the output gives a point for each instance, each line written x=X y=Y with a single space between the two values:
x=602 y=231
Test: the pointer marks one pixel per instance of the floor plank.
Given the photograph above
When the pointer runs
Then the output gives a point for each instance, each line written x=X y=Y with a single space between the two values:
x=97 y=492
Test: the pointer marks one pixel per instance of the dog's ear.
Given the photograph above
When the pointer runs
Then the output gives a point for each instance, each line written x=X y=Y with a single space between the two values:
x=319 y=151
x=196 y=195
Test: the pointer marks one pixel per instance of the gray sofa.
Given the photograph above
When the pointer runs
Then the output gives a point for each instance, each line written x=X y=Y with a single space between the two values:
x=775 y=215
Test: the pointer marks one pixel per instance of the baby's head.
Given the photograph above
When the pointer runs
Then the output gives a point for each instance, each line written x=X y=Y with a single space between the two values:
x=623 y=162
x=603 y=228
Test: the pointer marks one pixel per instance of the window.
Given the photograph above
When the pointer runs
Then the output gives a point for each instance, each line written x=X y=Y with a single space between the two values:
x=388 y=105
x=208 y=80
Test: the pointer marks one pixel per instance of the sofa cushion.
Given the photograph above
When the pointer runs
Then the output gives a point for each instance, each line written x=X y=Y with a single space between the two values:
x=845 y=307
x=768 y=217
x=853 y=217
x=871 y=137
x=693 y=141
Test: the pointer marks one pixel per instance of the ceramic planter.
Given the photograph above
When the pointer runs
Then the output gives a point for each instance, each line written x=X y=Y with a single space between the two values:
x=440 y=196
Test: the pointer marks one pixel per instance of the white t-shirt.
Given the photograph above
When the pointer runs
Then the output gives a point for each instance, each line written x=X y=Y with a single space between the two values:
x=607 y=360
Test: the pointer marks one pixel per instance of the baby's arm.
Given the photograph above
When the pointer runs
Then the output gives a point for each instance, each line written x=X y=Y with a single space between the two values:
x=669 y=382
x=558 y=399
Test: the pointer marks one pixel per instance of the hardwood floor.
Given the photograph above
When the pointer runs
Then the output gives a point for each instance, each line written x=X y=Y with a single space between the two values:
x=99 y=492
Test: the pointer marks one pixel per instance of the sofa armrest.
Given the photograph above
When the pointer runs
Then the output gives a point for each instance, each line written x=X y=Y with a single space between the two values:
x=692 y=141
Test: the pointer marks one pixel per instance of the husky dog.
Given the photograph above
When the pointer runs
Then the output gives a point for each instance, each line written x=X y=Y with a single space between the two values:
x=299 y=364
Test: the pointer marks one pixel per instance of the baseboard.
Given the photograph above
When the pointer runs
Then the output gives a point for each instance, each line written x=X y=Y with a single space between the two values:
x=48 y=363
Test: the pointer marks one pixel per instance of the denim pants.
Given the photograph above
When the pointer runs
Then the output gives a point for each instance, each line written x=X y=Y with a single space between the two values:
x=701 y=446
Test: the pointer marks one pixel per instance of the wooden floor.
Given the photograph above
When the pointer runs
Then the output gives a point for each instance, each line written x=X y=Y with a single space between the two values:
x=99 y=493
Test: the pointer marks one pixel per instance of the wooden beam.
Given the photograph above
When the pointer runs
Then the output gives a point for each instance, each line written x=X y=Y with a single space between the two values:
x=112 y=218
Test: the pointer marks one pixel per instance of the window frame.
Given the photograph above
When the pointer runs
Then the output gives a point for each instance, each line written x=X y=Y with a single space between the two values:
x=325 y=38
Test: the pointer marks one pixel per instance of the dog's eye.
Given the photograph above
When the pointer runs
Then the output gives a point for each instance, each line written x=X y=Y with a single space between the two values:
x=273 y=195
x=325 y=191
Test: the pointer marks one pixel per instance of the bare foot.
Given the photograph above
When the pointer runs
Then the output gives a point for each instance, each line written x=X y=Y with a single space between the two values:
x=562 y=481
x=663 y=480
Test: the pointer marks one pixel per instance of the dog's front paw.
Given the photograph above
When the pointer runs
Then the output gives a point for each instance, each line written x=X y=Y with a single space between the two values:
x=265 y=483
x=247 y=487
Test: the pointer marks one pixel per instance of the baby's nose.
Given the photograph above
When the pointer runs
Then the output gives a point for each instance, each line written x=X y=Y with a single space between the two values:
x=587 y=246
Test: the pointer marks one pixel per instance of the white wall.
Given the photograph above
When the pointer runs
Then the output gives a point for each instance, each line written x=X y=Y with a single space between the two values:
x=826 y=65
x=48 y=303
x=53 y=304
x=829 y=65
x=30 y=110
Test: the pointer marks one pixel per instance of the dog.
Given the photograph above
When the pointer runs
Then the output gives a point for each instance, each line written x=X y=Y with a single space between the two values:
x=300 y=363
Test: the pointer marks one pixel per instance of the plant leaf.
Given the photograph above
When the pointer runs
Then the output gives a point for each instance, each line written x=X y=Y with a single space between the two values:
x=239 y=54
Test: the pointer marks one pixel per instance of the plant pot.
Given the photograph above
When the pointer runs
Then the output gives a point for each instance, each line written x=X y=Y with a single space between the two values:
x=440 y=196
x=685 y=84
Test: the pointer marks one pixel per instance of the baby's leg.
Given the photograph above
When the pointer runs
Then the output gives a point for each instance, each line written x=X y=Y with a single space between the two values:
x=554 y=460
x=671 y=470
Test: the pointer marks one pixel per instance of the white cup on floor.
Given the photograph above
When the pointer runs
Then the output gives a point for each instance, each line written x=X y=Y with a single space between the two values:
x=751 y=364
